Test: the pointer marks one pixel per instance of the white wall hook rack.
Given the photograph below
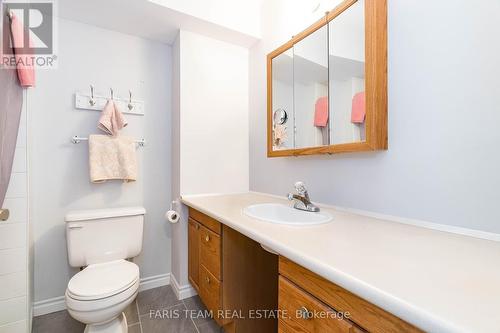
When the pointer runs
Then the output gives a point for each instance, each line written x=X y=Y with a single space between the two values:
x=97 y=103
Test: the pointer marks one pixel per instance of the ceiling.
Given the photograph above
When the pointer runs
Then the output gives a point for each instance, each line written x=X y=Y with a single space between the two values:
x=145 y=19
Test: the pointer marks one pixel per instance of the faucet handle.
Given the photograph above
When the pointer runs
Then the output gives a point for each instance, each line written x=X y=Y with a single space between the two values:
x=300 y=187
x=290 y=196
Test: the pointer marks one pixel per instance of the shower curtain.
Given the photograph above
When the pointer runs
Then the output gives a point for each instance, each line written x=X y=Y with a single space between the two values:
x=11 y=102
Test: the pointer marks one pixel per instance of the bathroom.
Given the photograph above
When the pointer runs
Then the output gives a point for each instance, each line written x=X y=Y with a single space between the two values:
x=290 y=166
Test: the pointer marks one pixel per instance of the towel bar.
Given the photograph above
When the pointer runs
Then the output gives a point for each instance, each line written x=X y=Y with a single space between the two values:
x=77 y=139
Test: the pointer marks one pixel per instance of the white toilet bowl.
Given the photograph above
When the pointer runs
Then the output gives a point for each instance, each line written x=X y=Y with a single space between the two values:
x=98 y=295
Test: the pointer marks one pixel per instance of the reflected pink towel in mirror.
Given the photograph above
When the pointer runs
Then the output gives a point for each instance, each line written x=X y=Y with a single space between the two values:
x=25 y=70
x=358 y=108
x=321 y=112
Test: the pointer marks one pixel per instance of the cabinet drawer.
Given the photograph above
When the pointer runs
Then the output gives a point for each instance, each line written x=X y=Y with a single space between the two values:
x=366 y=315
x=210 y=253
x=210 y=292
x=304 y=313
x=206 y=220
x=284 y=328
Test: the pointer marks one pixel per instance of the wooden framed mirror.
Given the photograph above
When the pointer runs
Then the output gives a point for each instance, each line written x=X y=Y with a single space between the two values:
x=331 y=82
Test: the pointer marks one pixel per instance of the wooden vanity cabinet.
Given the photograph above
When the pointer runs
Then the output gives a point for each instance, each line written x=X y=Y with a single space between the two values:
x=232 y=274
x=302 y=291
x=204 y=261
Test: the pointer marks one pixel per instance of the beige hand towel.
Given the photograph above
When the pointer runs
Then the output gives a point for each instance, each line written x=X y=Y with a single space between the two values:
x=111 y=120
x=112 y=158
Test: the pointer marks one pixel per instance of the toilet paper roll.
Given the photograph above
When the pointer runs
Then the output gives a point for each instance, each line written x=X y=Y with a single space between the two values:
x=172 y=216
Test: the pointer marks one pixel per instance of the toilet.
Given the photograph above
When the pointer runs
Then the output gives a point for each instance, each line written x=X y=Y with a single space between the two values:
x=100 y=242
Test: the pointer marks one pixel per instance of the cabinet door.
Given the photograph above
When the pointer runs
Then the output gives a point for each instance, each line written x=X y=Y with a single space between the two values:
x=194 y=253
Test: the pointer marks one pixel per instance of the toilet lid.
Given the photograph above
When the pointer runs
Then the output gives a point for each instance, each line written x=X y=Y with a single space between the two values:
x=103 y=280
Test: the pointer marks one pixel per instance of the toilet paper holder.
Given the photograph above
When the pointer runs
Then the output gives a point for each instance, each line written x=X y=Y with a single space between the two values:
x=172 y=215
x=173 y=205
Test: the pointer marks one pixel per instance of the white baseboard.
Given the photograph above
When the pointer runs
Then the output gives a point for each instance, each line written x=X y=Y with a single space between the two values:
x=155 y=281
x=58 y=303
x=48 y=306
x=182 y=292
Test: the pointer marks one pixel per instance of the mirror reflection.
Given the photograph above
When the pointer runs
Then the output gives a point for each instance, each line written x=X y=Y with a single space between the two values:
x=318 y=86
x=310 y=88
x=327 y=86
x=347 y=75
x=282 y=102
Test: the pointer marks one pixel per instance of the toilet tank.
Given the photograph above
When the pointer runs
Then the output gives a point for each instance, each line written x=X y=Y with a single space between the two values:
x=102 y=235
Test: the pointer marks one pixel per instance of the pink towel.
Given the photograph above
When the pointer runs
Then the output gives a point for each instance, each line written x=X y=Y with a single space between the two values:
x=358 y=111
x=112 y=119
x=321 y=112
x=25 y=69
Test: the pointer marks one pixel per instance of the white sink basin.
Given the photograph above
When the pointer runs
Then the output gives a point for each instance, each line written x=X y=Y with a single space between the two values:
x=283 y=214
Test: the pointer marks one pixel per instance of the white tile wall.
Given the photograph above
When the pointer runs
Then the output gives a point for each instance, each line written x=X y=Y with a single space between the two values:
x=14 y=295
x=17 y=327
x=17 y=186
x=12 y=260
x=21 y=136
x=20 y=164
x=13 y=285
x=18 y=208
x=12 y=235
x=12 y=310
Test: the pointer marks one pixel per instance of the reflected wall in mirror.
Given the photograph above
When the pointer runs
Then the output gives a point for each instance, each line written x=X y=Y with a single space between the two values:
x=310 y=86
x=282 y=90
x=331 y=79
x=346 y=50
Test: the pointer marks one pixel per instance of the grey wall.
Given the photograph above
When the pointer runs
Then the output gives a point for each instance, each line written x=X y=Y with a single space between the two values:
x=60 y=176
x=444 y=110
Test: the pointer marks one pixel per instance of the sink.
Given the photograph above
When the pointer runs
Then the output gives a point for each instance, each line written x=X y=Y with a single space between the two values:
x=283 y=214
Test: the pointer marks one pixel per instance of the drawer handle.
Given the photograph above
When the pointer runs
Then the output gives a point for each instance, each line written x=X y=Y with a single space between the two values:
x=305 y=313
x=207 y=238
x=207 y=279
x=197 y=227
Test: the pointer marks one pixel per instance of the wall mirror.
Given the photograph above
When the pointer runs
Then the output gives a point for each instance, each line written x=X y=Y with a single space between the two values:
x=327 y=86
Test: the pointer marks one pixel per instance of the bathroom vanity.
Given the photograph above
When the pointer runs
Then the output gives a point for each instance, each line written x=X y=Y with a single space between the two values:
x=238 y=280
x=365 y=273
x=232 y=274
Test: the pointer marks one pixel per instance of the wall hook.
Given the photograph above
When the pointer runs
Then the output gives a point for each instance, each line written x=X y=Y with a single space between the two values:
x=112 y=94
x=92 y=100
x=130 y=105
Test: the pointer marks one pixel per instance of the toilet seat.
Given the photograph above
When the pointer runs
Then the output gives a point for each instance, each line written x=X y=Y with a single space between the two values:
x=104 y=280
x=100 y=292
x=126 y=296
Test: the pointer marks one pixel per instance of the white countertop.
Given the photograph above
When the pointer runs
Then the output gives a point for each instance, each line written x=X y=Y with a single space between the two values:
x=440 y=282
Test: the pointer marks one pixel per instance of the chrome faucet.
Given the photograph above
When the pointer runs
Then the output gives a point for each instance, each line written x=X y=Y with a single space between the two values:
x=302 y=200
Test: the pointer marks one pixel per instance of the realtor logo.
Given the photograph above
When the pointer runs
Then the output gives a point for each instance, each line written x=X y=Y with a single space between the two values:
x=32 y=42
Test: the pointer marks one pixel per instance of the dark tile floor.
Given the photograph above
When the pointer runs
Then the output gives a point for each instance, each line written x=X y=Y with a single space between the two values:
x=154 y=311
